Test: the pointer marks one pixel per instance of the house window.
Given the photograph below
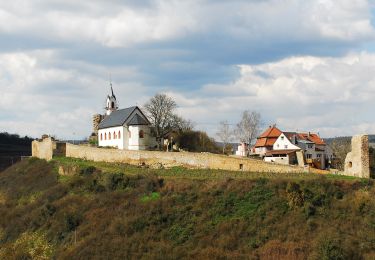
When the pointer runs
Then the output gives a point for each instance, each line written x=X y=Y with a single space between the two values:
x=318 y=155
x=310 y=146
x=101 y=136
x=282 y=138
x=119 y=135
x=105 y=136
x=141 y=134
x=308 y=156
x=109 y=136
x=286 y=146
x=113 y=104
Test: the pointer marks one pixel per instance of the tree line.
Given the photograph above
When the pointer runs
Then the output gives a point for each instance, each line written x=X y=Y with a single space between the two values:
x=14 y=139
x=167 y=125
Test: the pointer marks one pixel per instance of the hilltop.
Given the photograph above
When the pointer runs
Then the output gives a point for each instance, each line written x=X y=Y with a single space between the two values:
x=117 y=211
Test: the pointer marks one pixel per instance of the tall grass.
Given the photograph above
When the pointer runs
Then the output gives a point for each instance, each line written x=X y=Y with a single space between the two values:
x=119 y=212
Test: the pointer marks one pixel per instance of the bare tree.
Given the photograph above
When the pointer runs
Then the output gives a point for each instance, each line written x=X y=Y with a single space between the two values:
x=160 y=111
x=224 y=133
x=248 y=128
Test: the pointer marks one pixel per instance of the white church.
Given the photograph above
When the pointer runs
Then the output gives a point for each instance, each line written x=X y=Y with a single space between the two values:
x=126 y=129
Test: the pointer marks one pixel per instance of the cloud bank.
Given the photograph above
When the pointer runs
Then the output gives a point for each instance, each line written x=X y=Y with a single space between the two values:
x=302 y=64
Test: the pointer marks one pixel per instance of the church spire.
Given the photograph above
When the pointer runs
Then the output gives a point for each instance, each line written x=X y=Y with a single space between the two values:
x=111 y=103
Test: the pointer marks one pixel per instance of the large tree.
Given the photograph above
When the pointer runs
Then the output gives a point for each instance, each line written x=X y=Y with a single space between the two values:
x=248 y=128
x=224 y=133
x=160 y=110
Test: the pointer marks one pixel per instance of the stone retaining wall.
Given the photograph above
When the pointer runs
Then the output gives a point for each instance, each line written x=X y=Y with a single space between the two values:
x=194 y=160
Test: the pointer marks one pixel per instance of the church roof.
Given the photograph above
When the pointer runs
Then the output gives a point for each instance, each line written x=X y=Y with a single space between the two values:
x=137 y=120
x=122 y=116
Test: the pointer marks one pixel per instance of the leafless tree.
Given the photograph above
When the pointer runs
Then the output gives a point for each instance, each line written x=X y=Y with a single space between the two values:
x=248 y=128
x=224 y=133
x=160 y=111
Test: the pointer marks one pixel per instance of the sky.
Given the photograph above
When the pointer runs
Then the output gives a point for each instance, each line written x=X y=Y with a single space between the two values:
x=303 y=65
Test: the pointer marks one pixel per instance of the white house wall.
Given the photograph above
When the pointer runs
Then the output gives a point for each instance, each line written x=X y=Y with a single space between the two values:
x=279 y=160
x=283 y=143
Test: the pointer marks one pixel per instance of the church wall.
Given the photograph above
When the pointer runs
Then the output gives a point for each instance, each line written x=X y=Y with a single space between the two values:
x=113 y=142
x=136 y=142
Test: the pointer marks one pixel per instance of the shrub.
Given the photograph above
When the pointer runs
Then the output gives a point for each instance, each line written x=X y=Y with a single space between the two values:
x=329 y=248
x=87 y=170
x=72 y=221
x=115 y=181
x=295 y=195
x=152 y=197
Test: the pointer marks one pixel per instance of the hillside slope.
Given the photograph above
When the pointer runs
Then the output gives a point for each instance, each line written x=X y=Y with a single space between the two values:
x=122 y=215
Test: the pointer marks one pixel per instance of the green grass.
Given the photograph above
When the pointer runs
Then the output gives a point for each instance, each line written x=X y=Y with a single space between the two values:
x=151 y=197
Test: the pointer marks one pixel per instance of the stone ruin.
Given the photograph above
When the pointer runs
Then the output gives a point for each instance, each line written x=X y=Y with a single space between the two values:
x=357 y=162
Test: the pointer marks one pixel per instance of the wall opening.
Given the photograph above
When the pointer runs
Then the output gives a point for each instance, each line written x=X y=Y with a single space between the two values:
x=350 y=164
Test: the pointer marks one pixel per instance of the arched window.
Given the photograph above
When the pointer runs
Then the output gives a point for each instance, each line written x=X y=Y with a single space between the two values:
x=114 y=135
x=141 y=134
x=119 y=135
x=113 y=104
x=105 y=136
x=101 y=136
x=109 y=136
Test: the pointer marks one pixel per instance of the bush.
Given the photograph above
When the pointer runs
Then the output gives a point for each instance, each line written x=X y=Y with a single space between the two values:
x=295 y=195
x=329 y=248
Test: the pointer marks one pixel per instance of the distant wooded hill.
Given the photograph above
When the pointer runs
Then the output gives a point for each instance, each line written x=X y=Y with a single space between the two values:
x=12 y=147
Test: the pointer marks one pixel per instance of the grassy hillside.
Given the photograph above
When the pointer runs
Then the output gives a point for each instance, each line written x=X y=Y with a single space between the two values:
x=112 y=211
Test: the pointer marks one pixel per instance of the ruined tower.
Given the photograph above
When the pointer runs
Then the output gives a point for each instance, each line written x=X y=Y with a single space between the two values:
x=357 y=162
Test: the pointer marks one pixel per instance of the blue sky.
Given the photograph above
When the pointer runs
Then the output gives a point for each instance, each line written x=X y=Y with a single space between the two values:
x=304 y=65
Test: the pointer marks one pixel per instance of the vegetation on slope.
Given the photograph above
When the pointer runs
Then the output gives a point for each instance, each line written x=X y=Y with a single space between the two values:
x=137 y=213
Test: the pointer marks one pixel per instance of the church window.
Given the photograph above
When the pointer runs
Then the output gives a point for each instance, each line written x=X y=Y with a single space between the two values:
x=109 y=136
x=113 y=104
x=101 y=136
x=114 y=135
x=119 y=135
x=141 y=134
x=105 y=136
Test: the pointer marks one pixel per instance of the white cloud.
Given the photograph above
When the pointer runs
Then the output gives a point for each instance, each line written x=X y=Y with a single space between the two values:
x=39 y=96
x=333 y=96
x=122 y=25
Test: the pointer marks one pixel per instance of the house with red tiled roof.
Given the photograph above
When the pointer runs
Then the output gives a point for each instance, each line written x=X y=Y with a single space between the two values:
x=277 y=146
x=266 y=140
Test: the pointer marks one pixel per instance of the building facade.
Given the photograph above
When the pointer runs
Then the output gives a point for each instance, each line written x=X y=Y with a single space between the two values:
x=277 y=146
x=126 y=129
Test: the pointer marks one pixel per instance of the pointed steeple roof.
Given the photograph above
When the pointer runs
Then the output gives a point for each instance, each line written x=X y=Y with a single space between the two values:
x=113 y=95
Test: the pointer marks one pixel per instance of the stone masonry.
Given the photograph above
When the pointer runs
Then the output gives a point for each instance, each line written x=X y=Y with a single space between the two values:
x=357 y=162
x=96 y=119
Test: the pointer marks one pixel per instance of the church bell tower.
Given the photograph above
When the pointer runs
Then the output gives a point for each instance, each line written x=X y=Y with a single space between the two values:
x=111 y=102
